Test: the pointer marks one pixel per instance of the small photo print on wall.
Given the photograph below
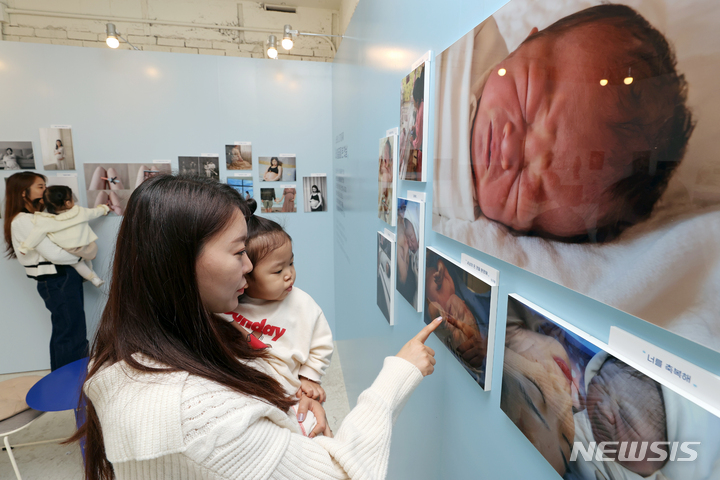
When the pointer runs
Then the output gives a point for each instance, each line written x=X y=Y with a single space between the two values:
x=467 y=306
x=280 y=168
x=278 y=200
x=386 y=276
x=57 y=148
x=112 y=183
x=410 y=238
x=242 y=185
x=591 y=414
x=204 y=166
x=315 y=193
x=16 y=156
x=413 y=124
x=238 y=156
x=387 y=179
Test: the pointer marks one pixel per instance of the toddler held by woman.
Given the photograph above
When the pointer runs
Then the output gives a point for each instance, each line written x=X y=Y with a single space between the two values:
x=280 y=316
x=66 y=225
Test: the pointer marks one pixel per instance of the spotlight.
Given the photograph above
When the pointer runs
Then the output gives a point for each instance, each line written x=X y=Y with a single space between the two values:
x=502 y=72
x=603 y=82
x=287 y=41
x=629 y=79
x=112 y=39
x=272 y=46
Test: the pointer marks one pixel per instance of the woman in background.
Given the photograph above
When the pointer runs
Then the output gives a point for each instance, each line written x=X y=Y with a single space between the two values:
x=59 y=154
x=316 y=200
x=274 y=171
x=59 y=285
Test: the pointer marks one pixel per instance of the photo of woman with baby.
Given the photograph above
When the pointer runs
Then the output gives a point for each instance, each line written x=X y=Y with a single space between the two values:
x=463 y=301
x=587 y=153
x=564 y=392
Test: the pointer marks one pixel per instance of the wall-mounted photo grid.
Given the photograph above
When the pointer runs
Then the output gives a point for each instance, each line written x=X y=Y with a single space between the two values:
x=413 y=131
x=468 y=306
x=568 y=394
x=387 y=180
x=113 y=183
x=410 y=240
x=629 y=216
x=386 y=275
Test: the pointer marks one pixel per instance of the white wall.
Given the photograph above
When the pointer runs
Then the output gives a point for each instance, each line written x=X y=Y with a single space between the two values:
x=135 y=107
x=165 y=38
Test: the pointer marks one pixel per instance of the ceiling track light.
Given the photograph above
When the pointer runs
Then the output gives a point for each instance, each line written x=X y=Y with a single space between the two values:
x=287 y=41
x=272 y=47
x=112 y=37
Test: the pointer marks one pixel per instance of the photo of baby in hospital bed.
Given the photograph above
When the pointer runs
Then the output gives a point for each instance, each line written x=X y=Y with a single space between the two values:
x=567 y=395
x=571 y=149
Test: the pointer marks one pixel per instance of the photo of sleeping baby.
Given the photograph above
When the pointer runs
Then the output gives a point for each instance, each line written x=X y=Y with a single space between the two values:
x=577 y=140
x=567 y=395
x=463 y=301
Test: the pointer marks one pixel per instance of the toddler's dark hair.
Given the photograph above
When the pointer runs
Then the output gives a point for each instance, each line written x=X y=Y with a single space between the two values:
x=55 y=198
x=263 y=235
x=654 y=105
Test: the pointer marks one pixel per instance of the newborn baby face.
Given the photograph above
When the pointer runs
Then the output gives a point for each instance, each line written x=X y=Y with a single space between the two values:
x=534 y=131
x=540 y=401
x=627 y=407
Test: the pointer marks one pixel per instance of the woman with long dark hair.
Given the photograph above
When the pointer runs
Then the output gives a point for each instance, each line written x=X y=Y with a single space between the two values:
x=175 y=392
x=59 y=285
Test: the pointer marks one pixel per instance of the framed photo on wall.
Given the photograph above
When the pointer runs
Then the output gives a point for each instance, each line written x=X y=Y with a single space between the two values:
x=570 y=394
x=386 y=275
x=387 y=180
x=468 y=304
x=624 y=215
x=413 y=131
x=410 y=239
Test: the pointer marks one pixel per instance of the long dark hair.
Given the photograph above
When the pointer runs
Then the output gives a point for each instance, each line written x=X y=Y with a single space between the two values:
x=15 y=186
x=154 y=306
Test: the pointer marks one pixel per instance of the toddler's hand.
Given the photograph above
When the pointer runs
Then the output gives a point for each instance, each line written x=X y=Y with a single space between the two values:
x=311 y=389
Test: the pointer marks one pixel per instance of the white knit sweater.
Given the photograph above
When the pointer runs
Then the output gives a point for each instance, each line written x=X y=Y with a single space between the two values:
x=179 y=426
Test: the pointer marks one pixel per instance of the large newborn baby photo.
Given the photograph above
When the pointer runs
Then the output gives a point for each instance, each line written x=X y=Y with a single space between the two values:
x=568 y=395
x=577 y=140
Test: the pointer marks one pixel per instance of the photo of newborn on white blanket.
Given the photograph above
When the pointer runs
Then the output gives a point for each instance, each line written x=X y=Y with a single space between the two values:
x=568 y=395
x=578 y=141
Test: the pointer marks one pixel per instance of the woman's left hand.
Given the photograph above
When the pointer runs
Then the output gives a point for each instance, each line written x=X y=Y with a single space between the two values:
x=307 y=403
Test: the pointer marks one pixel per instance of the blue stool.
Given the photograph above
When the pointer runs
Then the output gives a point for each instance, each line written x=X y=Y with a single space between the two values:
x=60 y=390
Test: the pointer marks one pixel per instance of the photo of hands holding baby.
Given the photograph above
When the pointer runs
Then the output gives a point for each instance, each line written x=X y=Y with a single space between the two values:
x=568 y=395
x=585 y=130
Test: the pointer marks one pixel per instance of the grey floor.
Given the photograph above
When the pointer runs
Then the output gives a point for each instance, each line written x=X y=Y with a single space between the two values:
x=64 y=462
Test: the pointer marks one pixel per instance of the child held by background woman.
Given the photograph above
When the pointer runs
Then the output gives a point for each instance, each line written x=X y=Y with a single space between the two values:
x=280 y=316
x=66 y=225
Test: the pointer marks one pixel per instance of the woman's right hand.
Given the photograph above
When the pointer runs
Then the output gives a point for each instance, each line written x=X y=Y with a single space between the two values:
x=419 y=354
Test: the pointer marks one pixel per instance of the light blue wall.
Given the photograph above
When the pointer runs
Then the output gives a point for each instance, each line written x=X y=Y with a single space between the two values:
x=450 y=428
x=127 y=106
